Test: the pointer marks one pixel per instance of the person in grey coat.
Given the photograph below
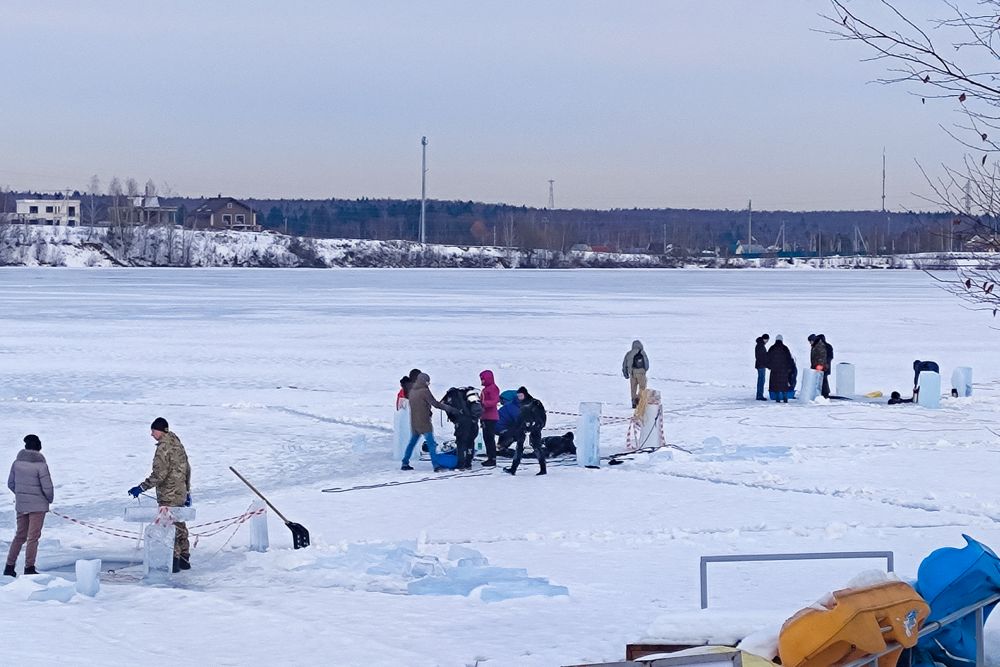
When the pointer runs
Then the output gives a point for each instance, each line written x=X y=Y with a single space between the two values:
x=31 y=483
x=634 y=368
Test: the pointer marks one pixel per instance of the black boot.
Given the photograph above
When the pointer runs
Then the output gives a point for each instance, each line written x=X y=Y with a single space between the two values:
x=510 y=471
x=177 y=565
x=185 y=561
x=8 y=571
x=489 y=463
x=30 y=570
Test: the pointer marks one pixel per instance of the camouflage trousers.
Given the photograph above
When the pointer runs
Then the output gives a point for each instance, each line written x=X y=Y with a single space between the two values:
x=181 y=545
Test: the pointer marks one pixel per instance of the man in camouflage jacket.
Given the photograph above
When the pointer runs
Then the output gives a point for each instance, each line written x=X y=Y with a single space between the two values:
x=171 y=477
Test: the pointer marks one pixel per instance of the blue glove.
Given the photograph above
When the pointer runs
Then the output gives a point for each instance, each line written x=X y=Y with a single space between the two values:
x=187 y=503
x=135 y=491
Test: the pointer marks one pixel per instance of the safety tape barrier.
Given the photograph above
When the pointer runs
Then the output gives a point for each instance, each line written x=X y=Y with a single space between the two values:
x=134 y=534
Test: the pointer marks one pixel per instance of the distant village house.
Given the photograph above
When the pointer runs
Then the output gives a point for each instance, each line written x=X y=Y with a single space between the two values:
x=56 y=212
x=223 y=213
x=143 y=210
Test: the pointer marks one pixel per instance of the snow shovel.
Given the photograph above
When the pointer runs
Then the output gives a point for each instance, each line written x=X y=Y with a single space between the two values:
x=300 y=536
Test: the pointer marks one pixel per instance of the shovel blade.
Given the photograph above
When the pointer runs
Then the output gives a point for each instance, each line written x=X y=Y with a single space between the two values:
x=300 y=536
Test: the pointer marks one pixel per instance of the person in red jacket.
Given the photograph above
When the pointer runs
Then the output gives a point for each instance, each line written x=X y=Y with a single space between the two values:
x=490 y=401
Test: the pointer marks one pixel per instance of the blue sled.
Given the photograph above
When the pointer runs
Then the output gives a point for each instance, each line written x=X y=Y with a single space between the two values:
x=950 y=579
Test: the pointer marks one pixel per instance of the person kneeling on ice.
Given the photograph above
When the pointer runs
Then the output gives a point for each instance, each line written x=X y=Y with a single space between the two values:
x=530 y=423
x=465 y=417
x=510 y=411
x=559 y=445
x=421 y=402
x=171 y=476
x=31 y=483
x=896 y=399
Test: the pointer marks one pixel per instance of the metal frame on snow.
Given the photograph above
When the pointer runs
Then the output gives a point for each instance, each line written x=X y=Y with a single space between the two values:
x=756 y=558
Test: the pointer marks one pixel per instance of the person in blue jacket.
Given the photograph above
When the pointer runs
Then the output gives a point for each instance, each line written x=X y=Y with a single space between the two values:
x=510 y=412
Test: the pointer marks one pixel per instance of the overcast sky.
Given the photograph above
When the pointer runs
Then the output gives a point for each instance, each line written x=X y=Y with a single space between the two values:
x=668 y=103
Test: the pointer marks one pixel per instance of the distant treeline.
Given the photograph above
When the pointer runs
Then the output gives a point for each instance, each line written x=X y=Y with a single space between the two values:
x=674 y=231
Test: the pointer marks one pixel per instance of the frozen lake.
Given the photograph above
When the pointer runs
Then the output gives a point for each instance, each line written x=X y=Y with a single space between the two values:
x=290 y=376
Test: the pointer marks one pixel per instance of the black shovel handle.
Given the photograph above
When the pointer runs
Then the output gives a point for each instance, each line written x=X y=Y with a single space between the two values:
x=260 y=495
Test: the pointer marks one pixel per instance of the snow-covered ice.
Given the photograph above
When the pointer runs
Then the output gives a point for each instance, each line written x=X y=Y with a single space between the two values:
x=290 y=376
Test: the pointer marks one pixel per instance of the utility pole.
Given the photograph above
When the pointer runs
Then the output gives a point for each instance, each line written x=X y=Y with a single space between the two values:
x=423 y=190
x=552 y=195
x=749 y=225
x=888 y=220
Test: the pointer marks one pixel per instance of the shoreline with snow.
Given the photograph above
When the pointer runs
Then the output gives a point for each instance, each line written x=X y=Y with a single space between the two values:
x=137 y=247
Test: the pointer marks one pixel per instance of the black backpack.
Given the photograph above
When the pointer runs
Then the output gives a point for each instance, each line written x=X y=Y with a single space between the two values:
x=466 y=400
x=639 y=360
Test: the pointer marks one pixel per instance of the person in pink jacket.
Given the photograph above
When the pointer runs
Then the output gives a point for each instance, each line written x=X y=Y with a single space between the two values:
x=490 y=401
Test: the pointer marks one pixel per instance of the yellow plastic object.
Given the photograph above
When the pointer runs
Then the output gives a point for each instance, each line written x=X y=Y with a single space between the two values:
x=874 y=394
x=858 y=622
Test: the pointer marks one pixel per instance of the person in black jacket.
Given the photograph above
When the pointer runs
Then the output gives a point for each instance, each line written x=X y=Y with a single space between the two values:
x=530 y=423
x=780 y=363
x=921 y=366
x=760 y=363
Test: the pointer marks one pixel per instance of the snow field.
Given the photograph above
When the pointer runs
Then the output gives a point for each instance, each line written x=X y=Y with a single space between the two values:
x=290 y=376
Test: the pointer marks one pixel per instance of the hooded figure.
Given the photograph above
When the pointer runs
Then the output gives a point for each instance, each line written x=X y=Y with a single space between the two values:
x=634 y=367
x=490 y=401
x=510 y=413
x=530 y=423
x=780 y=363
x=31 y=484
x=421 y=402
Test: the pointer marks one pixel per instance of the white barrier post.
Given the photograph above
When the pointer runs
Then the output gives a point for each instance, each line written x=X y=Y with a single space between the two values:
x=845 y=380
x=961 y=381
x=401 y=429
x=648 y=435
x=812 y=382
x=258 y=528
x=588 y=436
x=930 y=389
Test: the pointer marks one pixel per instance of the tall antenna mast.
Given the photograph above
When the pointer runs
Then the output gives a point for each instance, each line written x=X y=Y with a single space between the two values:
x=423 y=190
x=552 y=195
x=883 y=179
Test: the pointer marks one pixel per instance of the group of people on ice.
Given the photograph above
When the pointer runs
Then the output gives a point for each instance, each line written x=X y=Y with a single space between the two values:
x=511 y=416
x=31 y=483
x=779 y=360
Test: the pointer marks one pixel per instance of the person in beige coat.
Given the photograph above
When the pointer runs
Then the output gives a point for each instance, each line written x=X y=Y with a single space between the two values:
x=31 y=483
x=421 y=402
x=171 y=477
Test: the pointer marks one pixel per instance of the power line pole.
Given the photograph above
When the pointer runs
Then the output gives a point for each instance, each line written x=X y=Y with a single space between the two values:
x=423 y=190
x=552 y=195
x=749 y=225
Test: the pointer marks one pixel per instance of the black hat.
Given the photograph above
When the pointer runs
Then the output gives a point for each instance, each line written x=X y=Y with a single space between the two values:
x=159 y=424
x=32 y=442
x=523 y=390
x=811 y=337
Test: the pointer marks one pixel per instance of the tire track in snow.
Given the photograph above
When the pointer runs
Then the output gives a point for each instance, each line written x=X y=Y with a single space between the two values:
x=838 y=493
x=667 y=534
